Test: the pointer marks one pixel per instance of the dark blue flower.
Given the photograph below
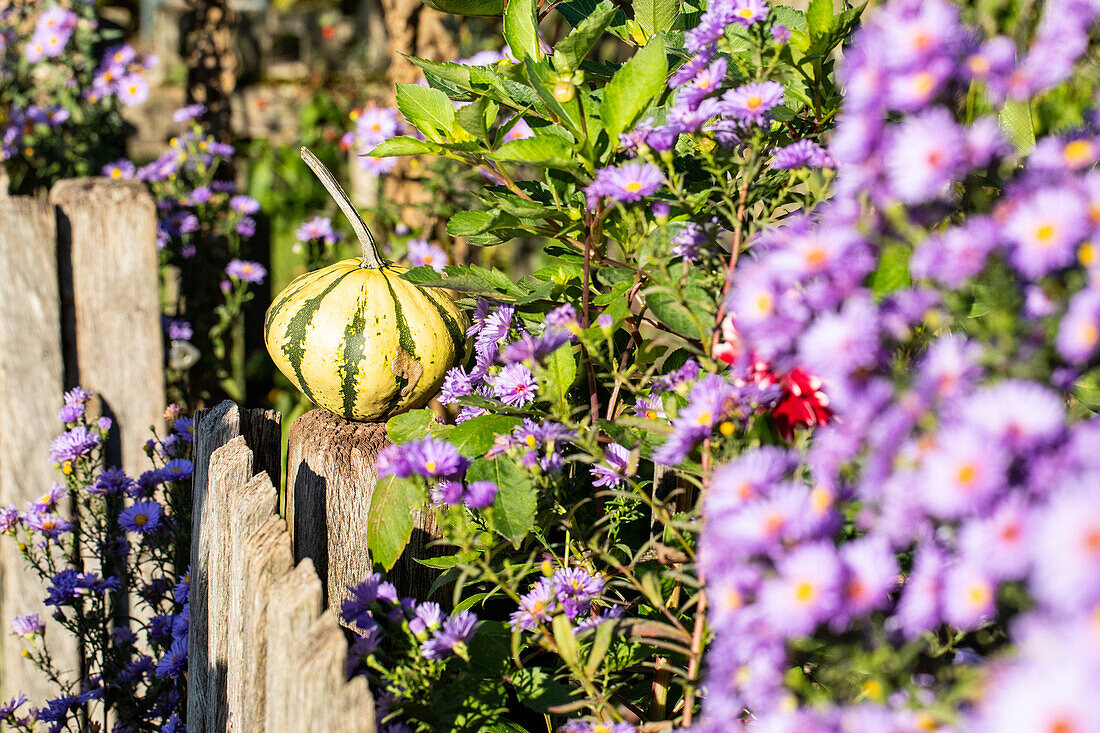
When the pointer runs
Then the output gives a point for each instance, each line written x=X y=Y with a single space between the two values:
x=110 y=482
x=174 y=662
x=143 y=517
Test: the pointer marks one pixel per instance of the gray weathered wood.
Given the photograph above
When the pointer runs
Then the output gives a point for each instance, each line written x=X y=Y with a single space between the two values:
x=330 y=481
x=107 y=236
x=269 y=558
x=215 y=428
x=31 y=383
x=250 y=506
x=294 y=602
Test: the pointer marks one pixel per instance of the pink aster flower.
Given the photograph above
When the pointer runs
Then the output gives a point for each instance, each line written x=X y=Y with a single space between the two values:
x=806 y=592
x=747 y=12
x=519 y=131
x=924 y=156
x=626 y=183
x=963 y=473
x=1079 y=331
x=421 y=252
x=1066 y=575
x=375 y=124
x=1001 y=545
x=515 y=385
x=969 y=596
x=871 y=574
x=1045 y=230
x=751 y=102
x=132 y=90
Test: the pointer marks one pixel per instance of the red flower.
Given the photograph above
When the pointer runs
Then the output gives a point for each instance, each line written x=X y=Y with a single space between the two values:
x=803 y=404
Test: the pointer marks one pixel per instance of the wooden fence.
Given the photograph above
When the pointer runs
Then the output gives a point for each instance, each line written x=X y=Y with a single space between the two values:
x=79 y=305
x=266 y=649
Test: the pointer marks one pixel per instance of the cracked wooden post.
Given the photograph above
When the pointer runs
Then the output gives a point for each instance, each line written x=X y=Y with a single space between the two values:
x=330 y=481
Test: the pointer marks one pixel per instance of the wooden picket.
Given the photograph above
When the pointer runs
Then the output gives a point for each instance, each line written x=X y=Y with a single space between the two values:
x=80 y=305
x=265 y=652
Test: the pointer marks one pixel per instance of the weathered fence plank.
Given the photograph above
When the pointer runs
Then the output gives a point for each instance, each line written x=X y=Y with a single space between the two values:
x=330 y=481
x=249 y=507
x=217 y=428
x=107 y=237
x=294 y=601
x=31 y=383
x=269 y=557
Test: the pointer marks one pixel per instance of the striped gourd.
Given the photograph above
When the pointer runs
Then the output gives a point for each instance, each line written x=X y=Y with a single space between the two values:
x=356 y=338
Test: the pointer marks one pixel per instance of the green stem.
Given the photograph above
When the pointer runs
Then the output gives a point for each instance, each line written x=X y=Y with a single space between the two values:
x=371 y=257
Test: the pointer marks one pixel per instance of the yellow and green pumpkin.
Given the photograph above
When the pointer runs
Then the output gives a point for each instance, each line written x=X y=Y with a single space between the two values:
x=359 y=340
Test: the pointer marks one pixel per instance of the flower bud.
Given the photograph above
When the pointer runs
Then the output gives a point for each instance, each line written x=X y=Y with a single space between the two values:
x=564 y=92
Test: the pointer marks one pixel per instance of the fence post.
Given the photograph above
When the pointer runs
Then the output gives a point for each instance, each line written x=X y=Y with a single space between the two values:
x=31 y=382
x=110 y=288
x=215 y=473
x=330 y=481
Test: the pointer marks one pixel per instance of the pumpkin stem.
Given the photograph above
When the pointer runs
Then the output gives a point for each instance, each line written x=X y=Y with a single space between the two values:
x=366 y=240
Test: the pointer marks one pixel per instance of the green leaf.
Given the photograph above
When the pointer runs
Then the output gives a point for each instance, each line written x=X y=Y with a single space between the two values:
x=409 y=425
x=465 y=279
x=467 y=7
x=470 y=602
x=634 y=87
x=403 y=145
x=558 y=375
x=600 y=645
x=673 y=314
x=469 y=222
x=544 y=150
x=571 y=50
x=538 y=690
x=472 y=118
x=513 y=511
x=568 y=648
x=893 y=270
x=521 y=29
x=819 y=18
x=477 y=435
x=1016 y=121
x=428 y=110
x=795 y=20
x=444 y=563
x=390 y=518
x=656 y=16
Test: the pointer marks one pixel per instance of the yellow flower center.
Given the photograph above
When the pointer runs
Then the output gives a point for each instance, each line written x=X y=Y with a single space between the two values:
x=353 y=115
x=967 y=474
x=429 y=466
x=141 y=520
x=1089 y=334
x=1077 y=153
x=1044 y=235
x=816 y=257
x=116 y=173
x=872 y=689
x=726 y=428
x=754 y=103
x=705 y=418
x=1086 y=255
x=804 y=591
x=978 y=594
x=764 y=303
x=745 y=12
x=979 y=65
x=923 y=83
x=530 y=440
x=634 y=186
x=651 y=414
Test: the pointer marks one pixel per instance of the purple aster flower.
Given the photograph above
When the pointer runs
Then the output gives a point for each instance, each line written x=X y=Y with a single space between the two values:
x=452 y=638
x=563 y=317
x=177 y=469
x=10 y=517
x=188 y=113
x=27 y=625
x=1079 y=331
x=456 y=384
x=142 y=517
x=1016 y=412
x=688 y=117
x=957 y=254
x=119 y=169
x=375 y=124
x=920 y=607
x=802 y=154
x=77 y=442
x=70 y=413
x=515 y=386
x=174 y=661
x=1067 y=549
x=244 y=204
x=427 y=617
x=178 y=329
x=705 y=82
x=751 y=102
x=706 y=408
x=626 y=183
x=924 y=156
x=807 y=591
x=689 y=70
x=246 y=227
x=969 y=596
x=434 y=458
x=357 y=607
x=318 y=228
x=781 y=33
x=535 y=607
x=201 y=195
x=747 y=12
x=421 y=252
x=11 y=706
x=595 y=726
x=110 y=482
x=612 y=472
x=480 y=494
x=246 y=270
x=575 y=589
x=393 y=461
x=132 y=90
x=1045 y=230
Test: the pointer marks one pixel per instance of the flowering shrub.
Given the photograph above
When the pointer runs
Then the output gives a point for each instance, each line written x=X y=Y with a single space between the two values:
x=203 y=229
x=63 y=82
x=766 y=445
x=607 y=385
x=110 y=548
